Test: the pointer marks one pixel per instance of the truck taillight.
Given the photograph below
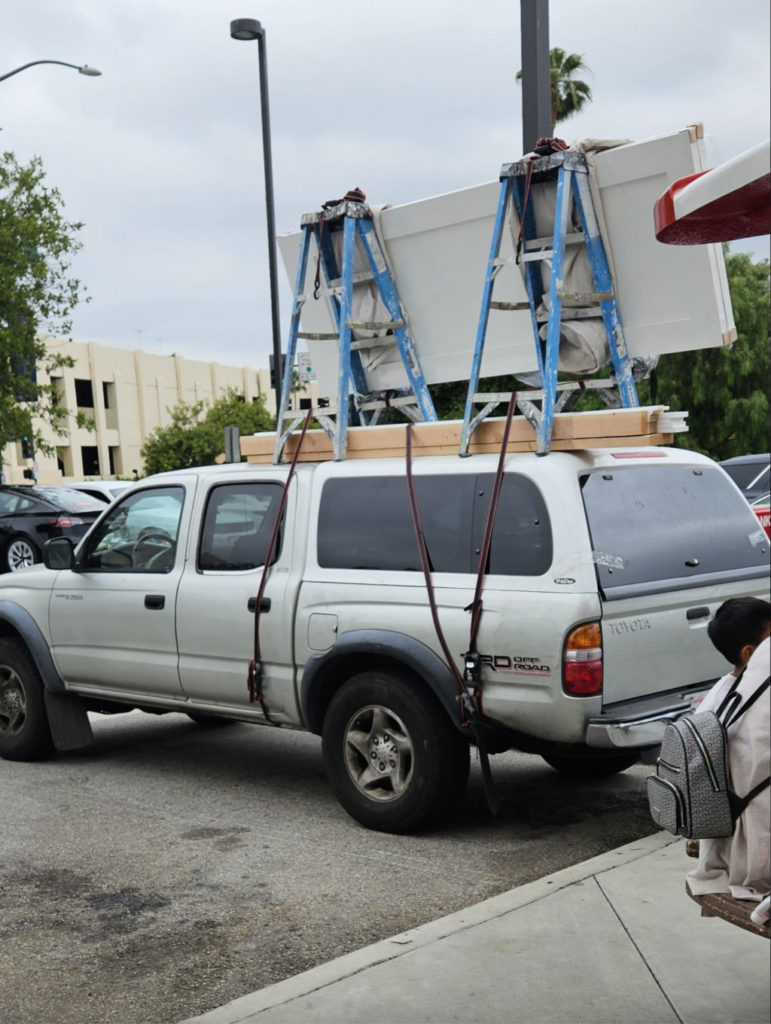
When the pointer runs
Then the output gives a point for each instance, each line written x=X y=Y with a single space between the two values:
x=582 y=662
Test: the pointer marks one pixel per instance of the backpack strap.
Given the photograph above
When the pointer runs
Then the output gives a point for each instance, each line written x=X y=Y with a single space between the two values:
x=740 y=804
x=749 y=702
x=729 y=697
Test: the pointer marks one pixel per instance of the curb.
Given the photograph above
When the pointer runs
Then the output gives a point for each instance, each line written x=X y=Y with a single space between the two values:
x=389 y=949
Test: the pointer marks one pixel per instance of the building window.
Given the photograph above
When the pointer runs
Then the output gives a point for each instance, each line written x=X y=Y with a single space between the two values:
x=64 y=460
x=108 y=394
x=306 y=403
x=116 y=462
x=90 y=454
x=84 y=394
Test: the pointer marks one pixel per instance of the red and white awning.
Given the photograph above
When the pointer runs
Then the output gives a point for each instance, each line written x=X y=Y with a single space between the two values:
x=732 y=201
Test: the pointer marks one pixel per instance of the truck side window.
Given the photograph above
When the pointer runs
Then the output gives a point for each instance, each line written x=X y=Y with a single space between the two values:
x=237 y=526
x=139 y=534
x=365 y=523
x=522 y=541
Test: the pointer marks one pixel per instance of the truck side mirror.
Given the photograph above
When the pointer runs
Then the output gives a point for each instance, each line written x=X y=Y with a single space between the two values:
x=58 y=553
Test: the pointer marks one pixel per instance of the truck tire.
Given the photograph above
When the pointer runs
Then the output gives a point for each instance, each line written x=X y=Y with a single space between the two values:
x=24 y=731
x=592 y=767
x=393 y=757
x=209 y=721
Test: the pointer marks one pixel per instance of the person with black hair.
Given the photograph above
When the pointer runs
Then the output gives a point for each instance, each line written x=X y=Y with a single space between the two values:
x=738 y=628
x=741 y=864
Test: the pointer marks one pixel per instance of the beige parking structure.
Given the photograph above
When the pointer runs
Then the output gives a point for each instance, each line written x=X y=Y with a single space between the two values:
x=127 y=394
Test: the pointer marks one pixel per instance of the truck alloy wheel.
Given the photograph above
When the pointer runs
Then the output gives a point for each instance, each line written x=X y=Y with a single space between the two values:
x=393 y=756
x=13 y=702
x=379 y=753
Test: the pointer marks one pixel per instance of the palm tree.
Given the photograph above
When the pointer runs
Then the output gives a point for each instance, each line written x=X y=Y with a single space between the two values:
x=569 y=95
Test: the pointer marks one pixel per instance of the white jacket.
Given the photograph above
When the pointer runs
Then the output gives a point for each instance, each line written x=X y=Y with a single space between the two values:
x=741 y=864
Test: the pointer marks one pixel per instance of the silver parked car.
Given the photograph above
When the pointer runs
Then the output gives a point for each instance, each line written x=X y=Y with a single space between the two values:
x=107 y=490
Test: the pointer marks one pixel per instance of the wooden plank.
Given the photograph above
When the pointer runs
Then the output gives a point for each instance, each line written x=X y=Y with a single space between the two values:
x=567 y=426
x=571 y=444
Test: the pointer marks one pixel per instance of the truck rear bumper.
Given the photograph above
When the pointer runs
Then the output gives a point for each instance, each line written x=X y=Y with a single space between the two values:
x=640 y=723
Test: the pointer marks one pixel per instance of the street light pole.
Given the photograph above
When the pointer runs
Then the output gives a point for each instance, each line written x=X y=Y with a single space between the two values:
x=249 y=29
x=84 y=69
x=536 y=72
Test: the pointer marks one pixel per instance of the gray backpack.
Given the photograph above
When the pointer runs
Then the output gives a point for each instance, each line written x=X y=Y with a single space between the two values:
x=691 y=795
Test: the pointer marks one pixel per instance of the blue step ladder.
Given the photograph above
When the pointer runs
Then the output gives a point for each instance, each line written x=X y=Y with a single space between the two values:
x=354 y=395
x=571 y=174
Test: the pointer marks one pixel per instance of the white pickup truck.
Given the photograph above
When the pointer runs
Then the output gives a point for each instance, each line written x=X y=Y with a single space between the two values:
x=605 y=569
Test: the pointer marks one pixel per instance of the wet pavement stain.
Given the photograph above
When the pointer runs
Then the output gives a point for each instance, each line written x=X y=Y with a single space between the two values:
x=196 y=834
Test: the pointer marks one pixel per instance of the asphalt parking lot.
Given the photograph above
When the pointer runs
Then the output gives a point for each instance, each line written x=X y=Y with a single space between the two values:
x=171 y=868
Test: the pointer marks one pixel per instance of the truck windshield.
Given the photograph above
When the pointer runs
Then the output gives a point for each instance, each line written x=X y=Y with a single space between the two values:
x=654 y=523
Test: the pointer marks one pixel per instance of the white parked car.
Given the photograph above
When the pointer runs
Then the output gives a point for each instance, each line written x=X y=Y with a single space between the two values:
x=107 y=490
x=605 y=570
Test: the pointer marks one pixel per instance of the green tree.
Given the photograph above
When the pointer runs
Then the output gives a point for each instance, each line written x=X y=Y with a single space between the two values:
x=569 y=94
x=37 y=297
x=725 y=390
x=196 y=435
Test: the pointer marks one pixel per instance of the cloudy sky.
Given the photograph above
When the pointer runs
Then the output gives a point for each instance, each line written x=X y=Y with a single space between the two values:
x=161 y=157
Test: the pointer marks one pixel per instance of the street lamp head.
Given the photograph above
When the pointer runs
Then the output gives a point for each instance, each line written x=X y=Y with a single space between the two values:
x=246 y=29
x=91 y=72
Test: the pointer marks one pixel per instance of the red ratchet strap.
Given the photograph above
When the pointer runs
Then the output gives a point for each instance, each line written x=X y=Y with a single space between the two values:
x=469 y=698
x=254 y=676
x=425 y=565
x=543 y=147
x=317 y=278
x=520 y=236
x=353 y=195
x=472 y=657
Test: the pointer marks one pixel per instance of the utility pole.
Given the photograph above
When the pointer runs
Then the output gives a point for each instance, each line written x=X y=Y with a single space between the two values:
x=536 y=72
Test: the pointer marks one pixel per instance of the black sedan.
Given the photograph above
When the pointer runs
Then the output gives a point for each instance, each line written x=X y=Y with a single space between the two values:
x=30 y=515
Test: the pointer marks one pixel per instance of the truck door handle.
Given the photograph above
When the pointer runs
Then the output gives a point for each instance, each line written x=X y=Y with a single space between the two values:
x=264 y=604
x=155 y=601
x=697 y=613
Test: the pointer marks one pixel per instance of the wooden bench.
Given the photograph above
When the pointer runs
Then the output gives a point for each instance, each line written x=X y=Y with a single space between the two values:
x=727 y=907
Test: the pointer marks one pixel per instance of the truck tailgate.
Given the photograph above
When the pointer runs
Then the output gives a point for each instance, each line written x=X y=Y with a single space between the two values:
x=657 y=643
x=672 y=540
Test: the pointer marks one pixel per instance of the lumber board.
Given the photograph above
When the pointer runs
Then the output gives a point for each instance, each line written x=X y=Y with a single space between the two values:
x=570 y=444
x=601 y=424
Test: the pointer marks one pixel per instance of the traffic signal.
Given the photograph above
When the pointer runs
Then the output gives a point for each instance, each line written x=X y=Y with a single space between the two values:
x=273 y=382
x=27 y=447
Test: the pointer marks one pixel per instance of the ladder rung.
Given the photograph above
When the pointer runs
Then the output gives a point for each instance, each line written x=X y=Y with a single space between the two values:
x=528 y=394
x=365 y=275
x=583 y=299
x=372 y=343
x=374 y=325
x=310 y=336
x=573 y=313
x=510 y=305
x=542 y=254
x=540 y=243
x=394 y=403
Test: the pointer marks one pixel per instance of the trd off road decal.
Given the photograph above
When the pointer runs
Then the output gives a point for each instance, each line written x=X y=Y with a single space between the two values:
x=514 y=665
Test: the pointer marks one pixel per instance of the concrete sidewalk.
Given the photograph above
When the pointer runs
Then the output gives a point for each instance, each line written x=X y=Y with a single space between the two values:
x=614 y=939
